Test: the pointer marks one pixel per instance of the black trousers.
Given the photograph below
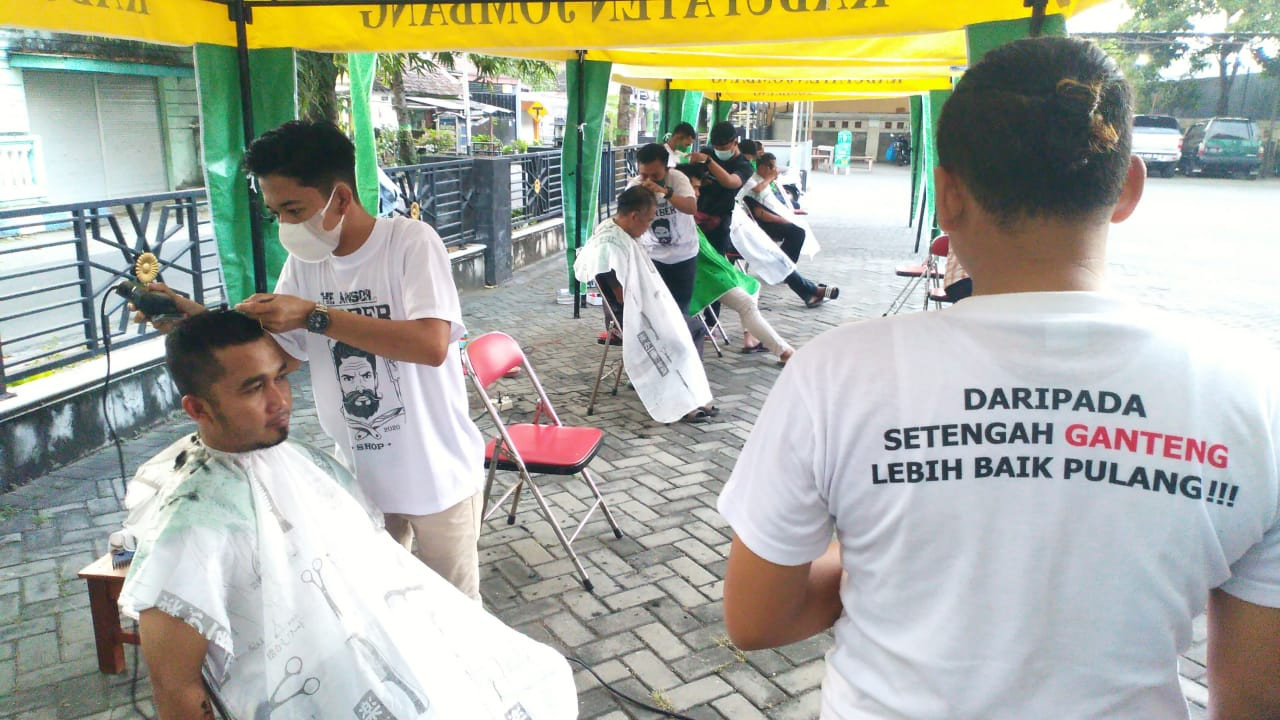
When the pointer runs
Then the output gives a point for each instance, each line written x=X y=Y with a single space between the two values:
x=791 y=238
x=679 y=277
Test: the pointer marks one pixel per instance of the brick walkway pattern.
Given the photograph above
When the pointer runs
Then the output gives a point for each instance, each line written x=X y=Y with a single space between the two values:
x=653 y=626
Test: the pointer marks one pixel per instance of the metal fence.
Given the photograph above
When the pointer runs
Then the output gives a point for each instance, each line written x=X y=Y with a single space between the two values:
x=58 y=262
x=63 y=260
x=438 y=193
x=617 y=166
x=536 y=193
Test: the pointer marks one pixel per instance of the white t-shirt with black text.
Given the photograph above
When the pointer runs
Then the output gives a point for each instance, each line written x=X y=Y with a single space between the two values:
x=402 y=427
x=1033 y=494
x=673 y=235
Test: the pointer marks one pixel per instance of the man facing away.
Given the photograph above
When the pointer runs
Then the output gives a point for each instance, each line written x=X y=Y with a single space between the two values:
x=261 y=563
x=371 y=303
x=1034 y=492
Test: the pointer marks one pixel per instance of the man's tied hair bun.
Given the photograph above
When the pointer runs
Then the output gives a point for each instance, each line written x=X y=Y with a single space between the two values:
x=1078 y=129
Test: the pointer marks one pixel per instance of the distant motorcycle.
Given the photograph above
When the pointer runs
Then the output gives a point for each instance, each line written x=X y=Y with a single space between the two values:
x=900 y=150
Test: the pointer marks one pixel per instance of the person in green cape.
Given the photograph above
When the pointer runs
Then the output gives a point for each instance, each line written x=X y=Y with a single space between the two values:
x=718 y=279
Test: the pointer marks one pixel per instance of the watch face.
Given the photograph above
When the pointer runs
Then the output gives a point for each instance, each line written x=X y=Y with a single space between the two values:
x=318 y=321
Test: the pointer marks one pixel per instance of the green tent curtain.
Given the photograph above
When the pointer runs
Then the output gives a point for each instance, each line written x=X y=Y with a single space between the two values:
x=222 y=142
x=361 y=68
x=679 y=106
x=917 y=152
x=588 y=87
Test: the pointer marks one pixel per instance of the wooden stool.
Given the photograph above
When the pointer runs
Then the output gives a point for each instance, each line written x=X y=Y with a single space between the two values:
x=105 y=583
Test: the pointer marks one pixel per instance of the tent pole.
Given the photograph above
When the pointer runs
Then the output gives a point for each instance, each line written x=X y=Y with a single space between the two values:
x=259 y=246
x=666 y=112
x=577 y=187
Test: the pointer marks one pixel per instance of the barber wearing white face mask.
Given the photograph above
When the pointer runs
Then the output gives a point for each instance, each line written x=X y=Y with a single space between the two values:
x=371 y=304
x=727 y=170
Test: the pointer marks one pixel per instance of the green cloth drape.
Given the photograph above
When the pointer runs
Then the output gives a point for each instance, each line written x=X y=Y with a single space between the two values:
x=222 y=142
x=715 y=277
x=679 y=106
x=361 y=68
x=590 y=80
x=917 y=146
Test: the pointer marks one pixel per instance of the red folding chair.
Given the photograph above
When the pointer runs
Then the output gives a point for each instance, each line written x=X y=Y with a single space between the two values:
x=541 y=448
x=935 y=292
x=929 y=272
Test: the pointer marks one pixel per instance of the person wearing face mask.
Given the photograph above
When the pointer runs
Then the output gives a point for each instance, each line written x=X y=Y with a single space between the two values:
x=679 y=144
x=727 y=171
x=371 y=304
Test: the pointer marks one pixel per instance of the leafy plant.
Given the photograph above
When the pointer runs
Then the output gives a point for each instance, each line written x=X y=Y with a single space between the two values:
x=440 y=142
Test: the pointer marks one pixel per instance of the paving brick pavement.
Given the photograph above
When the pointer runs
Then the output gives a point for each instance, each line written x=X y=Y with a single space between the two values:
x=654 y=625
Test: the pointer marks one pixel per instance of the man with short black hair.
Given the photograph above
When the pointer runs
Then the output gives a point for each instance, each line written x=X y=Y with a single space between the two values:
x=680 y=143
x=727 y=170
x=672 y=240
x=259 y=559
x=384 y=286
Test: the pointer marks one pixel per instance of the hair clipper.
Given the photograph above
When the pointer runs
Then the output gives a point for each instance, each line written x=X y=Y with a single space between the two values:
x=153 y=304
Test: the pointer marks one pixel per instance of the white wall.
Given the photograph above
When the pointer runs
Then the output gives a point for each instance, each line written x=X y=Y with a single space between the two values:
x=13 y=98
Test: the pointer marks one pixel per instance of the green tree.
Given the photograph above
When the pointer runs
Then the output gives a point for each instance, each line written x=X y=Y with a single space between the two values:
x=1242 y=20
x=318 y=74
x=1270 y=63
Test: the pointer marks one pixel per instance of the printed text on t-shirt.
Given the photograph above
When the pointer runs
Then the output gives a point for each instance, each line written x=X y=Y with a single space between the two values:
x=1195 y=455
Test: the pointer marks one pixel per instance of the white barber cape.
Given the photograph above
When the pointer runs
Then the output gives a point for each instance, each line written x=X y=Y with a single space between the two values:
x=657 y=349
x=764 y=258
x=311 y=610
x=762 y=192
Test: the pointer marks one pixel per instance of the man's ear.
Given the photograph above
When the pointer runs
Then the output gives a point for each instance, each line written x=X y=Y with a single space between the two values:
x=1134 y=183
x=196 y=408
x=951 y=203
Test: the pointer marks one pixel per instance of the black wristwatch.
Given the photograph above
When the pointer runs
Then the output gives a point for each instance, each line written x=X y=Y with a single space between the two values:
x=318 y=320
x=670 y=191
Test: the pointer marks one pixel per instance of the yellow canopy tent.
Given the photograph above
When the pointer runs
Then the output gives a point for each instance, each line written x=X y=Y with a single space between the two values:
x=563 y=26
x=676 y=34
x=729 y=85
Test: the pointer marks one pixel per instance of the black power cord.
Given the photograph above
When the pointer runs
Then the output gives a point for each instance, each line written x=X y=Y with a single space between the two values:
x=625 y=697
x=133 y=683
x=106 y=386
x=114 y=437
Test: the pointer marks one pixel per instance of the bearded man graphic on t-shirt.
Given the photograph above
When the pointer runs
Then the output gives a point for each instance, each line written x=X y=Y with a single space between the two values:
x=362 y=403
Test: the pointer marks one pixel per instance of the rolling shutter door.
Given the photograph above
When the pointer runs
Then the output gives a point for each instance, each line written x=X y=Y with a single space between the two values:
x=132 y=144
x=63 y=112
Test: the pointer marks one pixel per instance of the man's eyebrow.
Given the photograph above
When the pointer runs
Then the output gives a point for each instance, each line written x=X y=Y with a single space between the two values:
x=250 y=382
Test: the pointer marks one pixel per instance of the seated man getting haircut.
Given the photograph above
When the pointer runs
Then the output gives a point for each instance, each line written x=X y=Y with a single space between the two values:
x=262 y=564
x=661 y=360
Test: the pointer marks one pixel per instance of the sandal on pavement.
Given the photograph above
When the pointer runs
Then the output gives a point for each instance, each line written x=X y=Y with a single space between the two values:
x=757 y=348
x=824 y=293
x=698 y=416
x=611 y=338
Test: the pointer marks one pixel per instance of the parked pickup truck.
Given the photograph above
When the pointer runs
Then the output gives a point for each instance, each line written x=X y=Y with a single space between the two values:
x=1157 y=139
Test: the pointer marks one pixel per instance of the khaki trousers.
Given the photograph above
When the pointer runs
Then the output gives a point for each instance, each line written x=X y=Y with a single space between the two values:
x=446 y=542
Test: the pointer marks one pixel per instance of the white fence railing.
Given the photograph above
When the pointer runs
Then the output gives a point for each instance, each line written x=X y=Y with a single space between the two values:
x=21 y=169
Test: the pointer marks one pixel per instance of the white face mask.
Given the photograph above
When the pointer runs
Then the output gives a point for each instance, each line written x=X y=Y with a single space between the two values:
x=724 y=154
x=308 y=240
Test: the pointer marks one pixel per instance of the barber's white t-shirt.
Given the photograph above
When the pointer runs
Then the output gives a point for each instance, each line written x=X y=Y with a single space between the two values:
x=673 y=235
x=402 y=427
x=1033 y=495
